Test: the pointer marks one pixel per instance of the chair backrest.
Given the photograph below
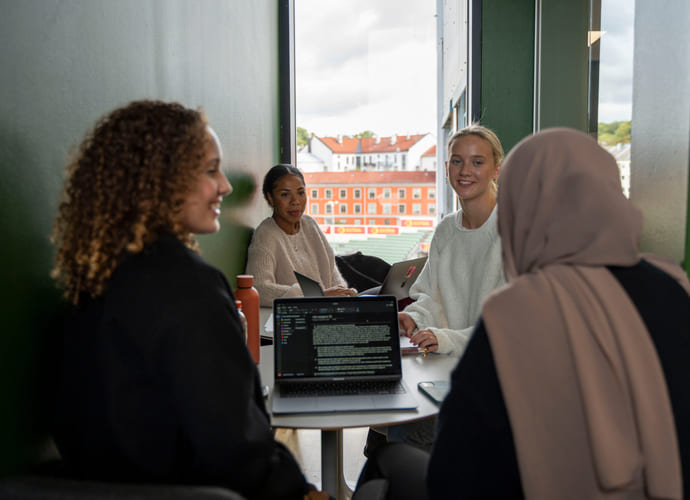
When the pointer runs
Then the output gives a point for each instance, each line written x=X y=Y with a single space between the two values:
x=362 y=271
x=51 y=488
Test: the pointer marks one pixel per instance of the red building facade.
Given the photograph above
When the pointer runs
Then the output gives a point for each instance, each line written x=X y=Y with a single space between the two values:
x=372 y=202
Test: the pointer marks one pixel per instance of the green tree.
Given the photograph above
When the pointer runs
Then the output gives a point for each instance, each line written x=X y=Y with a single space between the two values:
x=622 y=133
x=364 y=135
x=302 y=137
x=617 y=132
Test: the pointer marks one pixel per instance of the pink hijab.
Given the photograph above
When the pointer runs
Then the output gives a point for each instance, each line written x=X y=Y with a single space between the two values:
x=583 y=385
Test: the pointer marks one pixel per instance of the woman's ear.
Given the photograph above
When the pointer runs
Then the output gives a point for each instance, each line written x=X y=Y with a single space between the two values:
x=498 y=171
x=269 y=198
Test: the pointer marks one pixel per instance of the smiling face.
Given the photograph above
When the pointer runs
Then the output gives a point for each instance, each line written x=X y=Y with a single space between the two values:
x=288 y=199
x=201 y=208
x=471 y=168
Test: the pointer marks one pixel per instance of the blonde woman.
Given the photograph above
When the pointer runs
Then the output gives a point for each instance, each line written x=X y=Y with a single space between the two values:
x=464 y=266
x=465 y=255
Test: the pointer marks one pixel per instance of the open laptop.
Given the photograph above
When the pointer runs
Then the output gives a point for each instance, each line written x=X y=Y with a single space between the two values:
x=397 y=282
x=310 y=287
x=327 y=348
x=401 y=276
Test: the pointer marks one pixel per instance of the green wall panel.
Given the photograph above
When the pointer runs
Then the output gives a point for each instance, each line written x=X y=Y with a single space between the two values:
x=507 y=68
x=65 y=64
x=564 y=64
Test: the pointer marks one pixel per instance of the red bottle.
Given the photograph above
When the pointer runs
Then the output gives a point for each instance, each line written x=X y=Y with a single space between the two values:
x=250 y=306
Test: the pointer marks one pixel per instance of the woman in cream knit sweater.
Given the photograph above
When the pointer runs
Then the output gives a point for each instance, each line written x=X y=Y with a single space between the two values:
x=290 y=241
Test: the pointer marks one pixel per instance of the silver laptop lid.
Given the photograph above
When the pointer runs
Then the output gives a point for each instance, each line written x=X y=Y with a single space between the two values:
x=401 y=276
x=336 y=338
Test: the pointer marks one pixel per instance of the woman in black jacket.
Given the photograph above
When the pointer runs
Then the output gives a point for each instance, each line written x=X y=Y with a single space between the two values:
x=157 y=383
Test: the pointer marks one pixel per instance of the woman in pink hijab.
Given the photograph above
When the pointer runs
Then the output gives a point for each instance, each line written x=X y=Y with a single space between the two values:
x=576 y=381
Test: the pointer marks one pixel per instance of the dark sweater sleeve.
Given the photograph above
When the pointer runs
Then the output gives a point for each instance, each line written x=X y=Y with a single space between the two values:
x=473 y=454
x=215 y=392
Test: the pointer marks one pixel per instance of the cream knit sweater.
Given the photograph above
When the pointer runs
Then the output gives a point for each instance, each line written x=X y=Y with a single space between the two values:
x=274 y=255
x=464 y=266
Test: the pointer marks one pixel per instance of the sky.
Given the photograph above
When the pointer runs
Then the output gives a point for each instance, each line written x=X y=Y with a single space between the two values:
x=616 y=56
x=371 y=65
x=366 y=65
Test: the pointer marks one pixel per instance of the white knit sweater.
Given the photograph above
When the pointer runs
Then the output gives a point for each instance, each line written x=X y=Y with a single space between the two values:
x=274 y=255
x=464 y=266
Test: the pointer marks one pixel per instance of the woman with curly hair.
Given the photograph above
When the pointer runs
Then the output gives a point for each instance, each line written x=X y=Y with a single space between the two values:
x=157 y=383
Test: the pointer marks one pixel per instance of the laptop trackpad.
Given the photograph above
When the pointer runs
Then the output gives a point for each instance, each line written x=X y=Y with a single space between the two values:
x=345 y=403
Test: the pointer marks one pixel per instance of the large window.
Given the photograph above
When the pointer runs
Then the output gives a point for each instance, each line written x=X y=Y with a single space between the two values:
x=352 y=98
x=610 y=41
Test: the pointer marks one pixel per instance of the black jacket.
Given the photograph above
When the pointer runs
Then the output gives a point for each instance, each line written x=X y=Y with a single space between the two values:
x=158 y=385
x=474 y=455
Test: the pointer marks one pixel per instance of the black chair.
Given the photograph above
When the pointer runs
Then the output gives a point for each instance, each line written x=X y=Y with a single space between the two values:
x=362 y=271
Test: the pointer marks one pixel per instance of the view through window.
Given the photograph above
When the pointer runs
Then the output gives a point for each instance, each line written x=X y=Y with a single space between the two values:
x=366 y=122
x=615 y=65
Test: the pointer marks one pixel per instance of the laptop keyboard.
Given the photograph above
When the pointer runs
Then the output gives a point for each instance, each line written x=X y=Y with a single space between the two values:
x=341 y=389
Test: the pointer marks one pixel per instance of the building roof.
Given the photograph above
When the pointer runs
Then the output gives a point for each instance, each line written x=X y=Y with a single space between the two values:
x=621 y=152
x=307 y=162
x=431 y=151
x=369 y=177
x=370 y=145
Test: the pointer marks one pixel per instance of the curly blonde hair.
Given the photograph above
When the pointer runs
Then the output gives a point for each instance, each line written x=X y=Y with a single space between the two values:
x=125 y=185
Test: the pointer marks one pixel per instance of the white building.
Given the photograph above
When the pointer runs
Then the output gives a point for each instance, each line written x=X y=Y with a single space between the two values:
x=340 y=154
x=428 y=159
x=621 y=152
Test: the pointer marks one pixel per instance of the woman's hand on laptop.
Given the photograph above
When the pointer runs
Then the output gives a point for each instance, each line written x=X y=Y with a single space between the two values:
x=426 y=340
x=339 y=291
x=406 y=324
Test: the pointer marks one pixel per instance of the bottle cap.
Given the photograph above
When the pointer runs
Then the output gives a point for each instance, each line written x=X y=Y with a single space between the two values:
x=245 y=280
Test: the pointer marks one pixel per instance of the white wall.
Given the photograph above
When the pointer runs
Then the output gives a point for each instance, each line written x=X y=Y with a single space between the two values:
x=417 y=150
x=322 y=152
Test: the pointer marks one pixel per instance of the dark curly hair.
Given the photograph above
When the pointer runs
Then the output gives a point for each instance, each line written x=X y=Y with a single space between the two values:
x=125 y=186
x=275 y=174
